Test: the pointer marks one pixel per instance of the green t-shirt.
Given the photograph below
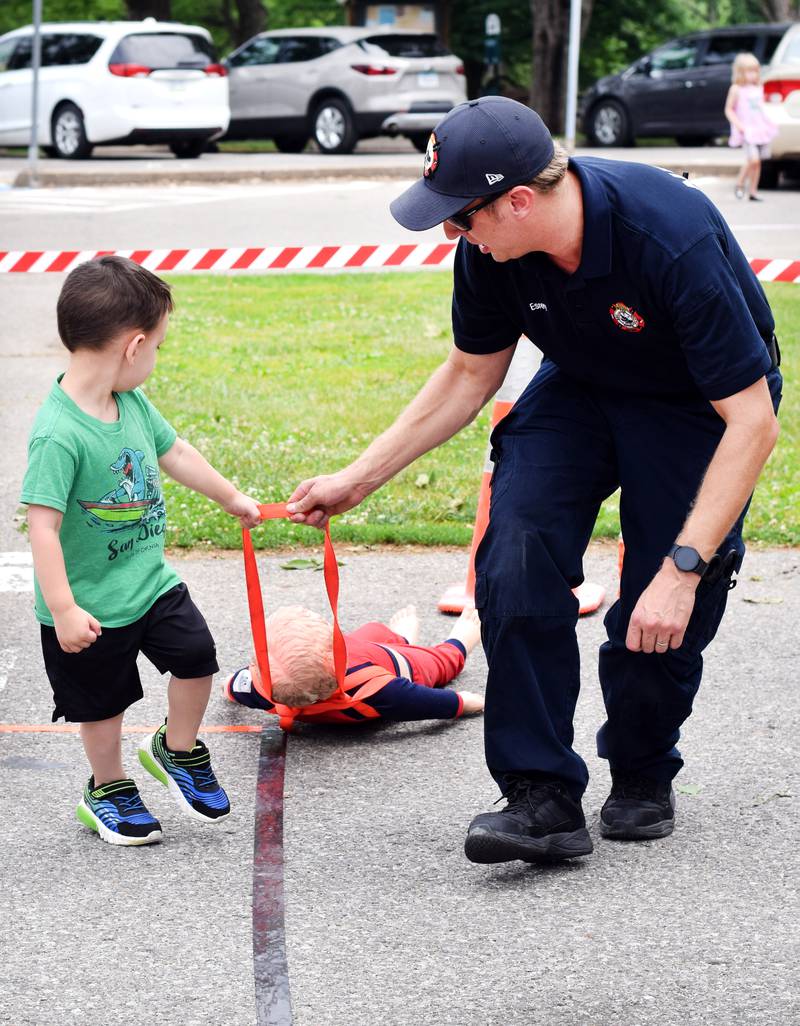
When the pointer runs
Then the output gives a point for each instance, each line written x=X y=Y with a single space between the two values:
x=104 y=479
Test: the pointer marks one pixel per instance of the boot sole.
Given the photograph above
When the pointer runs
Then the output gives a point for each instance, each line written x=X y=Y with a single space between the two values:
x=487 y=847
x=651 y=832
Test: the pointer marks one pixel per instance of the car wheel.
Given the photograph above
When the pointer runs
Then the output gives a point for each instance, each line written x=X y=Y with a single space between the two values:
x=420 y=140
x=334 y=128
x=188 y=149
x=609 y=124
x=770 y=175
x=291 y=143
x=69 y=133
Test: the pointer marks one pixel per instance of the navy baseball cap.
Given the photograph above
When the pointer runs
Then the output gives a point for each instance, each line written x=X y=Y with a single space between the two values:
x=480 y=147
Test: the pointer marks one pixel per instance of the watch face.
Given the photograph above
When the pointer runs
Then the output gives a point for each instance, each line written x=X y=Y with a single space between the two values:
x=686 y=558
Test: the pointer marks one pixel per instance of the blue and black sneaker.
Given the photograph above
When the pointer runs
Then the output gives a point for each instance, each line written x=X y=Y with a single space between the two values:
x=188 y=775
x=117 y=813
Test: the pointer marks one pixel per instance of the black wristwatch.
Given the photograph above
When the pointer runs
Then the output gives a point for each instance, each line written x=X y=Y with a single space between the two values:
x=688 y=559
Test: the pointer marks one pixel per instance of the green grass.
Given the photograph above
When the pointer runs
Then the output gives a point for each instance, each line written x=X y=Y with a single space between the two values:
x=279 y=378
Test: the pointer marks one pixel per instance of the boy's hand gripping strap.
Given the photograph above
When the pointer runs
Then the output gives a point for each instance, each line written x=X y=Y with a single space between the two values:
x=286 y=714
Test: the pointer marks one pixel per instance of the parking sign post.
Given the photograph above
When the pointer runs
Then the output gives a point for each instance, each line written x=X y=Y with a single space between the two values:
x=36 y=60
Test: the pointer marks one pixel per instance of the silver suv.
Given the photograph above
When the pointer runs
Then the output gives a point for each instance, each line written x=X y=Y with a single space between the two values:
x=339 y=85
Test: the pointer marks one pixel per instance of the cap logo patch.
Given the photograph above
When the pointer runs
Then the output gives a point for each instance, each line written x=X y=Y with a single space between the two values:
x=431 y=156
x=625 y=317
x=494 y=179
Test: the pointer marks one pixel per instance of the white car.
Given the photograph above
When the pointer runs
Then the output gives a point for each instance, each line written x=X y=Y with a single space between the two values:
x=114 y=82
x=782 y=96
x=339 y=85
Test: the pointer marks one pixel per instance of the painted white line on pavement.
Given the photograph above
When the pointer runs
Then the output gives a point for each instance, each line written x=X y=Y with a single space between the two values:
x=8 y=659
x=16 y=572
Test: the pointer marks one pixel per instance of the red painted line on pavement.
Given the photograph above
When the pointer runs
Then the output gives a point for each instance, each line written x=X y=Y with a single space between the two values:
x=73 y=728
x=270 y=969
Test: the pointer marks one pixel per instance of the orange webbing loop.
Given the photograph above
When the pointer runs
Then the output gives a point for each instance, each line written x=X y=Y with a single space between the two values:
x=286 y=714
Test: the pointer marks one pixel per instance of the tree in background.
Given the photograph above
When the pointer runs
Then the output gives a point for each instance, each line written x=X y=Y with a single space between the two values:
x=534 y=35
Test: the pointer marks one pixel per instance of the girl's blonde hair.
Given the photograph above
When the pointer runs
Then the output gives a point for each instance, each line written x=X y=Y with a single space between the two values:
x=300 y=656
x=741 y=62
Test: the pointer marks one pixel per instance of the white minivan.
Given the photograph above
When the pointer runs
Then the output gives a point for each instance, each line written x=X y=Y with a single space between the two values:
x=114 y=82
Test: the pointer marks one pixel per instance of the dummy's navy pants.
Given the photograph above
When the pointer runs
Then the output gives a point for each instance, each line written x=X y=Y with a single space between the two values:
x=562 y=449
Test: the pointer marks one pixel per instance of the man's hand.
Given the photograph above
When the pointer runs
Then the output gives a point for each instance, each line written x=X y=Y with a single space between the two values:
x=662 y=613
x=316 y=500
x=245 y=508
x=76 y=629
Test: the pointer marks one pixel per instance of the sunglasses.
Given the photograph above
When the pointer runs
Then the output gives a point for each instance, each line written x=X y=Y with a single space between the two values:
x=462 y=221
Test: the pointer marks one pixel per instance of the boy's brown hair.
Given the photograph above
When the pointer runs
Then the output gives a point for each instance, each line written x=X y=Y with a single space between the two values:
x=106 y=296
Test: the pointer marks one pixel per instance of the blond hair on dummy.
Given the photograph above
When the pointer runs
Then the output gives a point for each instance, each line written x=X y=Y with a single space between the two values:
x=300 y=656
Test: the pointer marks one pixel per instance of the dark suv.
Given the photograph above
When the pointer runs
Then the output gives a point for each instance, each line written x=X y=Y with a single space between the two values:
x=678 y=89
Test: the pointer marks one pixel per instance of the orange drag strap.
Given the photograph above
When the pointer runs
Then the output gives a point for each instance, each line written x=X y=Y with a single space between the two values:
x=277 y=511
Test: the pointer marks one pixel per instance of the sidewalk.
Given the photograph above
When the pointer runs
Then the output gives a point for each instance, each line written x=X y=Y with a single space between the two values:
x=374 y=159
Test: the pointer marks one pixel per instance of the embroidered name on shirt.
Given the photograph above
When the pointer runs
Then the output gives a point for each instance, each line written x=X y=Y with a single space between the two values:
x=625 y=317
x=538 y=306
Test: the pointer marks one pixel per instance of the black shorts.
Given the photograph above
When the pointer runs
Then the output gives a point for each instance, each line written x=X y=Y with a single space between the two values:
x=103 y=680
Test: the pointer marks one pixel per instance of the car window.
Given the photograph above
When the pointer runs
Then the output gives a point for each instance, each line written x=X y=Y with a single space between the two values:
x=69 y=48
x=261 y=51
x=675 y=56
x=302 y=48
x=6 y=49
x=163 y=50
x=723 y=49
x=21 y=57
x=791 y=55
x=423 y=45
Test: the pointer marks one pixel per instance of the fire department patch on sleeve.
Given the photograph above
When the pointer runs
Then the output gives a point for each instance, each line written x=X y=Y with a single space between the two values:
x=626 y=318
x=431 y=156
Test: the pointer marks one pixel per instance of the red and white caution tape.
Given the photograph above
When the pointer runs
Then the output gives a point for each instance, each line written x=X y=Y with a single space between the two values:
x=292 y=258
x=267 y=258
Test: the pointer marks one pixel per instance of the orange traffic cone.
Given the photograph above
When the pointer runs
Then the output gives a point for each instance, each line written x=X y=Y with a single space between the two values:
x=522 y=368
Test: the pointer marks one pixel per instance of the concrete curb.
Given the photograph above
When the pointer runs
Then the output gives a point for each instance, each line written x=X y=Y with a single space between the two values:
x=171 y=174
x=227 y=176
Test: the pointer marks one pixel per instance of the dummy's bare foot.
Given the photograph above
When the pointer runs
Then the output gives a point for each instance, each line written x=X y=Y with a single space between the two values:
x=473 y=703
x=467 y=629
x=406 y=622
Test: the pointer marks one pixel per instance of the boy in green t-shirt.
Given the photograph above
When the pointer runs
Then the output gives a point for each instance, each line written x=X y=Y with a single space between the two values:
x=97 y=520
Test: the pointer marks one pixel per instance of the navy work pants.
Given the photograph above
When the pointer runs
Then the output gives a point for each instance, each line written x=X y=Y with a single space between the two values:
x=564 y=447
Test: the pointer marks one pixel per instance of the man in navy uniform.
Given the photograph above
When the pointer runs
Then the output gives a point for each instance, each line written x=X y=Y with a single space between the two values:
x=659 y=376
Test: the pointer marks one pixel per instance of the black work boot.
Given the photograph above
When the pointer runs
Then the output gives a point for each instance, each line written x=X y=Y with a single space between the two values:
x=540 y=823
x=638 y=808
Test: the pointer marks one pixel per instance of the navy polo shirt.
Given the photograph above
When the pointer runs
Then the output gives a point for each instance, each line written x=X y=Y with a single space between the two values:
x=664 y=301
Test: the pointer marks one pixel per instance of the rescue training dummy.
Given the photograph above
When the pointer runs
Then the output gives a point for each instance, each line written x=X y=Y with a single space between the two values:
x=388 y=674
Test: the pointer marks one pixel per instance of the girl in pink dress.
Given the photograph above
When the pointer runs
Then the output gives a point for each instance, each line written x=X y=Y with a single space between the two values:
x=750 y=126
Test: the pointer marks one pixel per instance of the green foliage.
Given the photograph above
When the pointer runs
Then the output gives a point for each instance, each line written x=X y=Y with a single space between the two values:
x=619 y=31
